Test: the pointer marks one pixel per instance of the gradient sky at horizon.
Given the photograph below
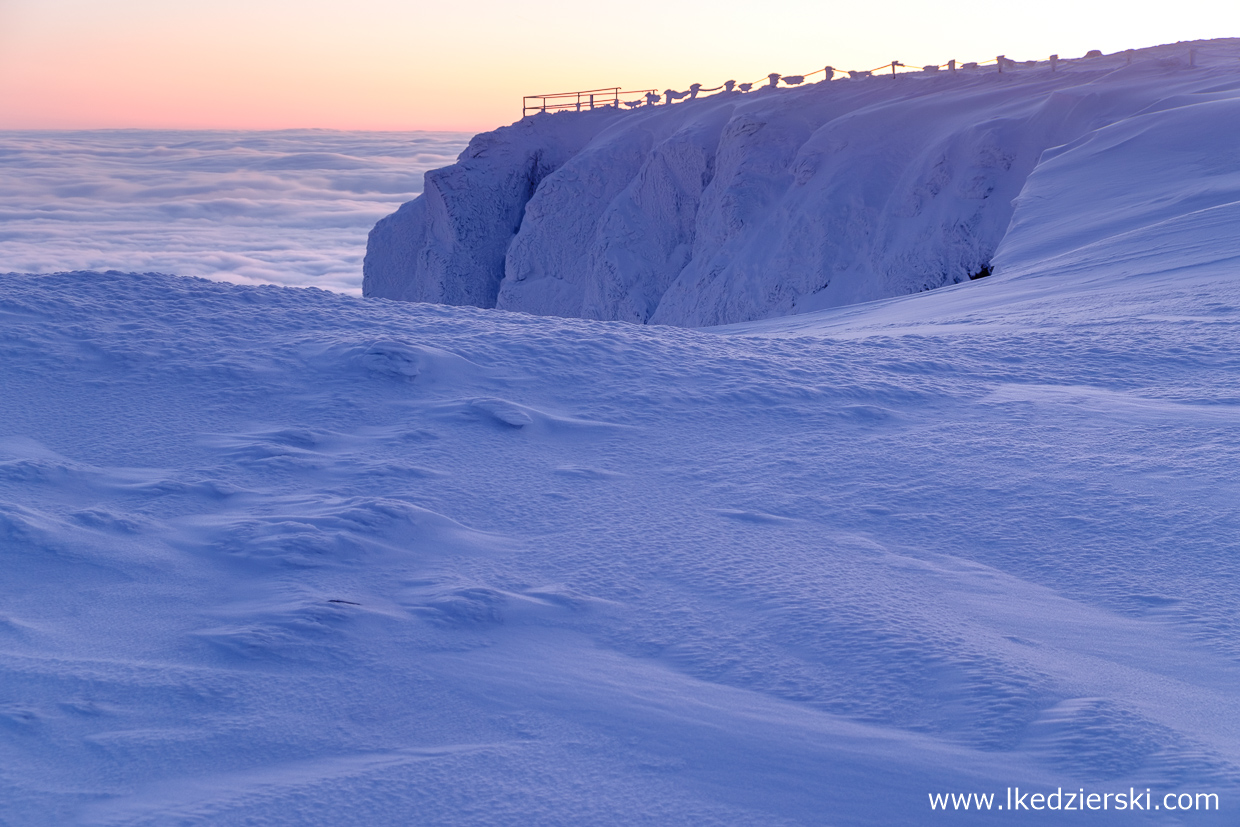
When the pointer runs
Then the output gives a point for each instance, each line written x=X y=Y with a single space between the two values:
x=385 y=64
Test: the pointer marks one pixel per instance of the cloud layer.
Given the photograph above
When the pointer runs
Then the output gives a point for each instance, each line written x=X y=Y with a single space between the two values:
x=290 y=207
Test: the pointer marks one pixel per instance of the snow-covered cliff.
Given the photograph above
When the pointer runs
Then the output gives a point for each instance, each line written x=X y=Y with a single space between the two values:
x=748 y=206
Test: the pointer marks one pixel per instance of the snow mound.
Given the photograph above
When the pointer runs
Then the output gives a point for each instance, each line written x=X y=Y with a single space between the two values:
x=739 y=207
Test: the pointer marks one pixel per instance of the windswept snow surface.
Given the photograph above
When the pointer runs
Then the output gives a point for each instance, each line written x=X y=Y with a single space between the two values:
x=738 y=207
x=291 y=207
x=278 y=556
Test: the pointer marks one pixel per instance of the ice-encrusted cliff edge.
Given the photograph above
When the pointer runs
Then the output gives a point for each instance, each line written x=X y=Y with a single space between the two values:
x=748 y=206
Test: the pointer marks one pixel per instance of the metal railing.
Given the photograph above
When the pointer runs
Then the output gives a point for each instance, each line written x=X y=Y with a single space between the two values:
x=576 y=101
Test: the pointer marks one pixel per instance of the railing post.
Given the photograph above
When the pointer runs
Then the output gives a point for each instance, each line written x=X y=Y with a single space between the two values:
x=591 y=102
x=1054 y=62
x=999 y=60
x=951 y=66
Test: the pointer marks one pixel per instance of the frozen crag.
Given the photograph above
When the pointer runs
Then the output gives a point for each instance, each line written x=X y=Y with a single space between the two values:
x=740 y=207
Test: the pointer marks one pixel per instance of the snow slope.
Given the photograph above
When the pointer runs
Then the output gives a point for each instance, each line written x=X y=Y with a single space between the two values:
x=278 y=556
x=738 y=207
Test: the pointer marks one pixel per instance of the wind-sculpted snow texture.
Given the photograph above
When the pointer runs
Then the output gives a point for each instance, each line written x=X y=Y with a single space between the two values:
x=749 y=206
x=278 y=556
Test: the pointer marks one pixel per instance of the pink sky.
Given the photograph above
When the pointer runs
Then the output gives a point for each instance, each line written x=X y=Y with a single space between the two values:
x=384 y=64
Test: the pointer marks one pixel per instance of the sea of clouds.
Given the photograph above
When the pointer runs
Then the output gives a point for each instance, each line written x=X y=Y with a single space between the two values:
x=288 y=207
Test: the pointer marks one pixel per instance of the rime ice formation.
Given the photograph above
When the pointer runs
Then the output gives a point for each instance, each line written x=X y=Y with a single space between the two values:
x=738 y=207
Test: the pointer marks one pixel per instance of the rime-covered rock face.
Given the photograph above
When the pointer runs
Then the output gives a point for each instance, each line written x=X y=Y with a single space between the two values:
x=739 y=206
x=447 y=246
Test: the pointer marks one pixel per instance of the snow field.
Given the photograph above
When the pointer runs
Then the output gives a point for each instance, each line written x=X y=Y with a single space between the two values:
x=285 y=556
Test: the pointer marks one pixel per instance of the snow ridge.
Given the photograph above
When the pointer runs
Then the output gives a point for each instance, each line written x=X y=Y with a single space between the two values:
x=740 y=206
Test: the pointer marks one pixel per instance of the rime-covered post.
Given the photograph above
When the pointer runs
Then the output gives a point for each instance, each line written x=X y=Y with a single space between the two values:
x=1054 y=62
x=774 y=78
x=828 y=73
x=999 y=60
x=951 y=66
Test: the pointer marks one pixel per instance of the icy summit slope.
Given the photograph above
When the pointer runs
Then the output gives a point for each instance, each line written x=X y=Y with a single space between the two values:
x=277 y=556
x=749 y=206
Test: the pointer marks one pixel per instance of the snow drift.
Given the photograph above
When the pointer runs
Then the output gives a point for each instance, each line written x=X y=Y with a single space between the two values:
x=748 y=206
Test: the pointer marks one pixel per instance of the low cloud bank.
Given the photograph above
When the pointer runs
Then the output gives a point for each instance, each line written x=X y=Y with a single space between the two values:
x=290 y=207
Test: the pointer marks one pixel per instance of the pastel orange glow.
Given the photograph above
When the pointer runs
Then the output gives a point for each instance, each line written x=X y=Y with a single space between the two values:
x=382 y=64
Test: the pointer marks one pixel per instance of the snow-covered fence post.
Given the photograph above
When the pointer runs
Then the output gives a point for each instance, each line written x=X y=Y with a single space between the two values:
x=999 y=60
x=828 y=73
x=1054 y=62
x=729 y=85
x=694 y=88
x=951 y=66
x=774 y=78
x=591 y=101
